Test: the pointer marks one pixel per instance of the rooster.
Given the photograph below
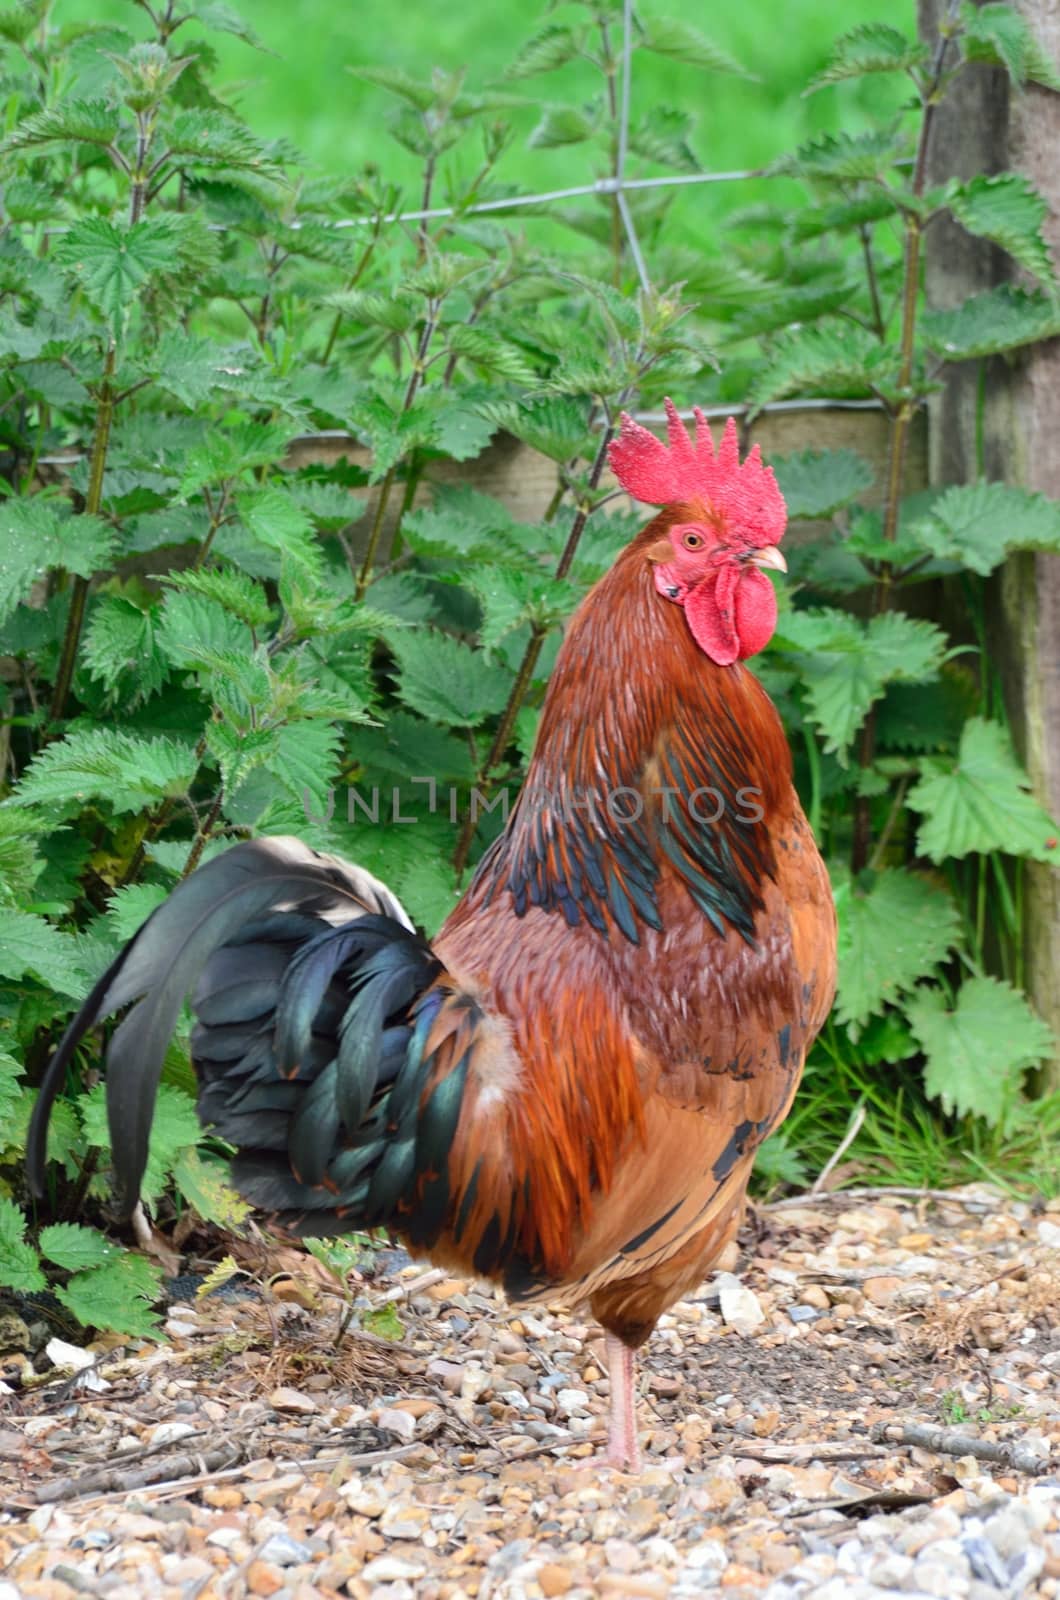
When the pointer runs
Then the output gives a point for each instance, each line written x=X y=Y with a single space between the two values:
x=565 y=1091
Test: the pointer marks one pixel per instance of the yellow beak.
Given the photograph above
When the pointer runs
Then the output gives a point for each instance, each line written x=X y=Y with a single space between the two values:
x=769 y=557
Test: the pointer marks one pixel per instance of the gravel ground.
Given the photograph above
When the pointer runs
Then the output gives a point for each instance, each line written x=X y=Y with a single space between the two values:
x=866 y=1402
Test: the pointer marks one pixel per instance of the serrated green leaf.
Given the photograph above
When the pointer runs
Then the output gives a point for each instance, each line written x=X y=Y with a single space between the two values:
x=802 y=305
x=1003 y=318
x=27 y=201
x=662 y=136
x=198 y=631
x=408 y=747
x=555 y=427
x=998 y=34
x=979 y=524
x=488 y=350
x=461 y=431
x=19 y=1263
x=563 y=125
x=329 y=505
x=231 y=453
x=978 y=1052
x=64 y=1144
x=10 y=1090
x=396 y=311
x=405 y=596
x=421 y=96
x=276 y=520
x=340 y=1256
x=129 y=908
x=842 y=216
x=890 y=935
x=428 y=890
x=460 y=522
x=21 y=863
x=873 y=47
x=1008 y=210
x=35 y=538
x=552 y=47
x=17 y=24
x=174 y=1128
x=203 y=1181
x=844 y=663
x=75 y=1248
x=441 y=273
x=234 y=591
x=99 y=763
x=446 y=681
x=672 y=36
x=510 y=596
x=31 y=945
x=926 y=717
x=223 y=19
x=777 y=1161
x=818 y=483
x=391 y=434
x=239 y=751
x=305 y=759
x=845 y=157
x=208 y=139
x=982 y=803
x=225 y=1270
x=848 y=360
x=87 y=121
x=384 y=1322
x=121 y=652
x=114 y=263
x=117 y=1296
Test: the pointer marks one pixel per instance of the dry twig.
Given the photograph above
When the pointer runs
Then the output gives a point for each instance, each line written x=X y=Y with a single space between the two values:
x=949 y=1442
x=896 y=1191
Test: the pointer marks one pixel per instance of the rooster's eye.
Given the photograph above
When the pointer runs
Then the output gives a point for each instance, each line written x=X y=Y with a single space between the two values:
x=692 y=541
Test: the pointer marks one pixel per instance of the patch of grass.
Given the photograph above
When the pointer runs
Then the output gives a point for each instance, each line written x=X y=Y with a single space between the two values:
x=905 y=1139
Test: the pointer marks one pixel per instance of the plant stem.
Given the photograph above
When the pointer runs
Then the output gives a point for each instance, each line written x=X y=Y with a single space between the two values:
x=217 y=517
x=202 y=838
x=907 y=407
x=889 y=826
x=874 y=287
x=141 y=177
x=93 y=501
x=538 y=635
x=153 y=825
x=355 y=278
x=980 y=908
x=813 y=758
x=363 y=576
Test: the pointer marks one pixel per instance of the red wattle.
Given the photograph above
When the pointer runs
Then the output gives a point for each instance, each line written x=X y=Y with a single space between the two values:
x=734 y=615
x=756 y=612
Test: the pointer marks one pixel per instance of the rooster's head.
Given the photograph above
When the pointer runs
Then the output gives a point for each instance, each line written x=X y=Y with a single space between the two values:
x=723 y=521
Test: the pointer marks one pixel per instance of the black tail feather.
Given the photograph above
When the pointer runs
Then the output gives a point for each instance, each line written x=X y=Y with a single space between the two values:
x=267 y=891
x=315 y=1001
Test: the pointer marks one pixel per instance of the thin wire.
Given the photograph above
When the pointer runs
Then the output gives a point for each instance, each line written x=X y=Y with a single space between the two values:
x=623 y=141
x=627 y=73
x=634 y=242
x=516 y=201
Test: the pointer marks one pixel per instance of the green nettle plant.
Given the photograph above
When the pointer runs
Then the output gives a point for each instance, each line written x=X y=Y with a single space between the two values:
x=209 y=632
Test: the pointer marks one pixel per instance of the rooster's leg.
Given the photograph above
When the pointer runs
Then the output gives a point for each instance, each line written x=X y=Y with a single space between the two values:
x=622 y=1449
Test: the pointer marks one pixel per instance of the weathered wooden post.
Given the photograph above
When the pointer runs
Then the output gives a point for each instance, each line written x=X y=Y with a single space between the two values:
x=984 y=126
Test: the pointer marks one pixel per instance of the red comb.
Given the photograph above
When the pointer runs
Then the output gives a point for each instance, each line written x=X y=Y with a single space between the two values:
x=661 y=475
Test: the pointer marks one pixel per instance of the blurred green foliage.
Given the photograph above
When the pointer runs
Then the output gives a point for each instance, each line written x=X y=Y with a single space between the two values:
x=301 y=90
